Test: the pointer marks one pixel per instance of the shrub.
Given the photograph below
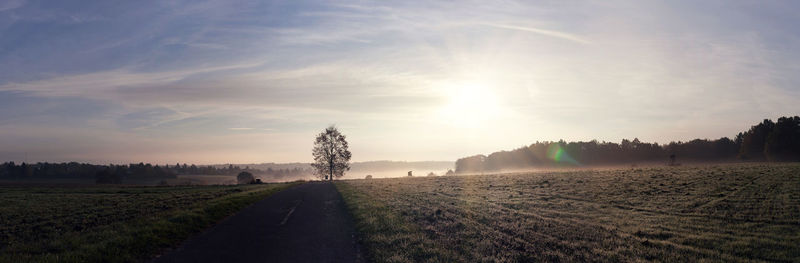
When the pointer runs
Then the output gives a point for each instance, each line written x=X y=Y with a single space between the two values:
x=245 y=178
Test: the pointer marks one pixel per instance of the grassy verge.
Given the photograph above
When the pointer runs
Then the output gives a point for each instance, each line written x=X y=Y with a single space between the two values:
x=112 y=224
x=384 y=235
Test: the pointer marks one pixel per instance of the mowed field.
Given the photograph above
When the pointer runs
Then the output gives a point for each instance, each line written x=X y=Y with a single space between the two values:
x=62 y=223
x=726 y=212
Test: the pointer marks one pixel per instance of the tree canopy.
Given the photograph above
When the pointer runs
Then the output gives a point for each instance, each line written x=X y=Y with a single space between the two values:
x=331 y=154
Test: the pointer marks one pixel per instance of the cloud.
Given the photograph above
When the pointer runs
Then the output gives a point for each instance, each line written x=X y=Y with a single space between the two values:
x=101 y=83
x=543 y=32
x=334 y=86
x=11 y=4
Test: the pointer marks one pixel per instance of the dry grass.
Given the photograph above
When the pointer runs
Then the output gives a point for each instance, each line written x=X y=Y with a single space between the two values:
x=732 y=212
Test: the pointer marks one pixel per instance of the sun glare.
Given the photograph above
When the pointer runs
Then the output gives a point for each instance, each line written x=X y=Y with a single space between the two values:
x=470 y=105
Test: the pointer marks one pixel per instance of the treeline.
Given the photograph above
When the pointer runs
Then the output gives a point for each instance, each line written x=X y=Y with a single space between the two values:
x=766 y=141
x=235 y=169
x=10 y=170
x=231 y=169
x=117 y=173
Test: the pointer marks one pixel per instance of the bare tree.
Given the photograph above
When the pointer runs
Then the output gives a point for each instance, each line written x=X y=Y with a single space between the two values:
x=331 y=157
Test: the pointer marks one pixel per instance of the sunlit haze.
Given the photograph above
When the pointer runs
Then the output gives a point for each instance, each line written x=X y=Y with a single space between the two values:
x=255 y=81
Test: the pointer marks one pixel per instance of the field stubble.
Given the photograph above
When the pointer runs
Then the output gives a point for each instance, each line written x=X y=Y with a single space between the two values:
x=731 y=212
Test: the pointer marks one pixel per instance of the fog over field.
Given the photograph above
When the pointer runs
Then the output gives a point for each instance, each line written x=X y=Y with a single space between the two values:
x=359 y=170
x=366 y=167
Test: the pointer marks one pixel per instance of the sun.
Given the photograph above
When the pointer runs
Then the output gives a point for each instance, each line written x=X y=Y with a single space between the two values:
x=470 y=105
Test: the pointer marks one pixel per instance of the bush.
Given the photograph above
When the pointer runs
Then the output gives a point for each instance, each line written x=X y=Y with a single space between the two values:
x=245 y=178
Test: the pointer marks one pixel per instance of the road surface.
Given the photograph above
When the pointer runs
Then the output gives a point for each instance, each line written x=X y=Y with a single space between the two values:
x=305 y=223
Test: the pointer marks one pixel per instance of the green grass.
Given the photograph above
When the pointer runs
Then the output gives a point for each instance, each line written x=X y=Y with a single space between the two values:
x=110 y=223
x=718 y=213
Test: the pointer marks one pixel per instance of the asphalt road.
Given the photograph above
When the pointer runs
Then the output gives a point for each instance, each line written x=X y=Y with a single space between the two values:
x=306 y=223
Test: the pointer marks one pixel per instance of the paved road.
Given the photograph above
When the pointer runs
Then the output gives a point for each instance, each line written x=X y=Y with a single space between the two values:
x=306 y=223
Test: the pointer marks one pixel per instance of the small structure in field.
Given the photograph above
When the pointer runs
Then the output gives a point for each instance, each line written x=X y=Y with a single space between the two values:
x=409 y=173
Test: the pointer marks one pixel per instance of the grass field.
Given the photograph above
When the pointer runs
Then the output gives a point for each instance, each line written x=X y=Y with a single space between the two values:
x=111 y=223
x=729 y=213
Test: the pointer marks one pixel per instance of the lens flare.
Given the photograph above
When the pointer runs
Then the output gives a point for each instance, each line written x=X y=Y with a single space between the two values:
x=557 y=153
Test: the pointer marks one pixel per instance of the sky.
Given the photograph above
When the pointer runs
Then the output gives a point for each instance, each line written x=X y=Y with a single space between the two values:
x=254 y=81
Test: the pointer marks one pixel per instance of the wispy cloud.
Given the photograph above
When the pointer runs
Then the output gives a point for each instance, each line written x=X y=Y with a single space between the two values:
x=543 y=32
x=100 y=83
x=11 y=4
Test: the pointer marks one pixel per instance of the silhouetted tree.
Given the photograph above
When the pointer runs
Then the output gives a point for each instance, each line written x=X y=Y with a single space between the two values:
x=783 y=143
x=755 y=139
x=331 y=154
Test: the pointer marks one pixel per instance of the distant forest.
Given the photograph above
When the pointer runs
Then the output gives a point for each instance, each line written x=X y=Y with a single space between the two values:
x=119 y=173
x=766 y=141
x=113 y=173
x=368 y=166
